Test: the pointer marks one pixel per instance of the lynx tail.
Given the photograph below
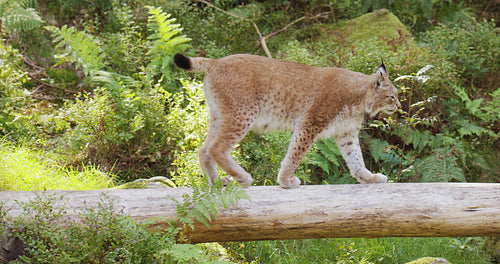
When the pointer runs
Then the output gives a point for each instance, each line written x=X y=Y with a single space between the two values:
x=183 y=61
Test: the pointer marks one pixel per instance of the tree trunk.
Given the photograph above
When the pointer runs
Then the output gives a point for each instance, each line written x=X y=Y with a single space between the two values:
x=320 y=211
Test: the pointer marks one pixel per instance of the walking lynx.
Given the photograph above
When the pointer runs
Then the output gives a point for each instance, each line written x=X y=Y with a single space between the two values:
x=245 y=92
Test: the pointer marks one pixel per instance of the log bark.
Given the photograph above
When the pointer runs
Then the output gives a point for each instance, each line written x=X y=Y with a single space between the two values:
x=321 y=211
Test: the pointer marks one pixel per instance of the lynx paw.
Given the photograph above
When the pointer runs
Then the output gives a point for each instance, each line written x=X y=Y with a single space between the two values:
x=289 y=183
x=380 y=178
x=226 y=180
x=374 y=178
x=247 y=182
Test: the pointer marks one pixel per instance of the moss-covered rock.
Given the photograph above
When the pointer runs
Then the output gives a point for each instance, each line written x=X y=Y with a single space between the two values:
x=429 y=260
x=381 y=24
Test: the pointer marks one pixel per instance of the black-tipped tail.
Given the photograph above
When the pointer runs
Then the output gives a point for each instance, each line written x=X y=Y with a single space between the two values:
x=182 y=61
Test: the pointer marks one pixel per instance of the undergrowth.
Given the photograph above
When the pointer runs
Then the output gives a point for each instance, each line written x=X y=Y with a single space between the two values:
x=101 y=234
x=26 y=169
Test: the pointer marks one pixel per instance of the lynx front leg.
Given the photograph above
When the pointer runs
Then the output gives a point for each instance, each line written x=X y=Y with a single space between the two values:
x=351 y=151
x=299 y=144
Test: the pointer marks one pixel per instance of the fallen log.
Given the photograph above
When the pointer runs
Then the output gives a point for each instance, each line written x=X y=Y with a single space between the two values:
x=320 y=211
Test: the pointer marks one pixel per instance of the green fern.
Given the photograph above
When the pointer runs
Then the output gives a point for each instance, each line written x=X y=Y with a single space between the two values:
x=203 y=204
x=493 y=107
x=80 y=49
x=166 y=41
x=17 y=16
x=490 y=112
x=440 y=166
x=326 y=156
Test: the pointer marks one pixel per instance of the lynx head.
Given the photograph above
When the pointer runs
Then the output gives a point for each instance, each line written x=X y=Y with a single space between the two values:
x=384 y=94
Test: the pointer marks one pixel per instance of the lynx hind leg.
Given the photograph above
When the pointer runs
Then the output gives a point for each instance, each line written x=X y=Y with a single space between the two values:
x=351 y=151
x=301 y=141
x=229 y=133
x=207 y=163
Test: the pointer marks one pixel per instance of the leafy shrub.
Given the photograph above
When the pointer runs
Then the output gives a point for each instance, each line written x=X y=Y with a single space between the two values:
x=14 y=100
x=124 y=118
x=474 y=47
x=101 y=235
x=187 y=123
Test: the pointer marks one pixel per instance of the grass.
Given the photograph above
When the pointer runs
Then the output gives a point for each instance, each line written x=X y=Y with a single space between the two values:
x=361 y=250
x=27 y=169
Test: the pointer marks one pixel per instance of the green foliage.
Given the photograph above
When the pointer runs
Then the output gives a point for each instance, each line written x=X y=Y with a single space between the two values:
x=261 y=155
x=187 y=253
x=123 y=110
x=203 y=204
x=440 y=166
x=187 y=123
x=488 y=112
x=79 y=48
x=165 y=42
x=17 y=16
x=100 y=235
x=12 y=97
x=126 y=45
x=474 y=47
x=326 y=155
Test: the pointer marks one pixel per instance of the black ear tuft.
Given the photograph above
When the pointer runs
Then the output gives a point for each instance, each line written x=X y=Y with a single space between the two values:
x=382 y=70
x=182 y=61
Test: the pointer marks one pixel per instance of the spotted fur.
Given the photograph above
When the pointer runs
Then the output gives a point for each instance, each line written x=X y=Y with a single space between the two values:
x=245 y=92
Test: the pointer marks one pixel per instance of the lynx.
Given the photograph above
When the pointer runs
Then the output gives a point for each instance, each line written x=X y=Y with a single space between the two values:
x=249 y=92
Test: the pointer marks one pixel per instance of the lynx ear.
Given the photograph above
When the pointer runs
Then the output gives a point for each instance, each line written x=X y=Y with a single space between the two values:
x=381 y=69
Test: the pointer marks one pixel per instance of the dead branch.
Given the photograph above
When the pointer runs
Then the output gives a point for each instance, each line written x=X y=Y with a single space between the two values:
x=50 y=85
x=262 y=39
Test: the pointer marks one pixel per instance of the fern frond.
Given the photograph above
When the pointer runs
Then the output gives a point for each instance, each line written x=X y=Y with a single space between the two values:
x=419 y=138
x=440 y=166
x=378 y=148
x=21 y=19
x=419 y=76
x=84 y=51
x=320 y=161
x=468 y=128
x=203 y=204
x=165 y=41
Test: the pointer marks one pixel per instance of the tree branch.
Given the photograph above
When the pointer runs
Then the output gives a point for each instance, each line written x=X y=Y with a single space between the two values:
x=50 y=85
x=262 y=39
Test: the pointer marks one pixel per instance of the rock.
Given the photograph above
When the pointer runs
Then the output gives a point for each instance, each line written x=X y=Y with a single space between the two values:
x=11 y=247
x=151 y=183
x=429 y=260
x=381 y=25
